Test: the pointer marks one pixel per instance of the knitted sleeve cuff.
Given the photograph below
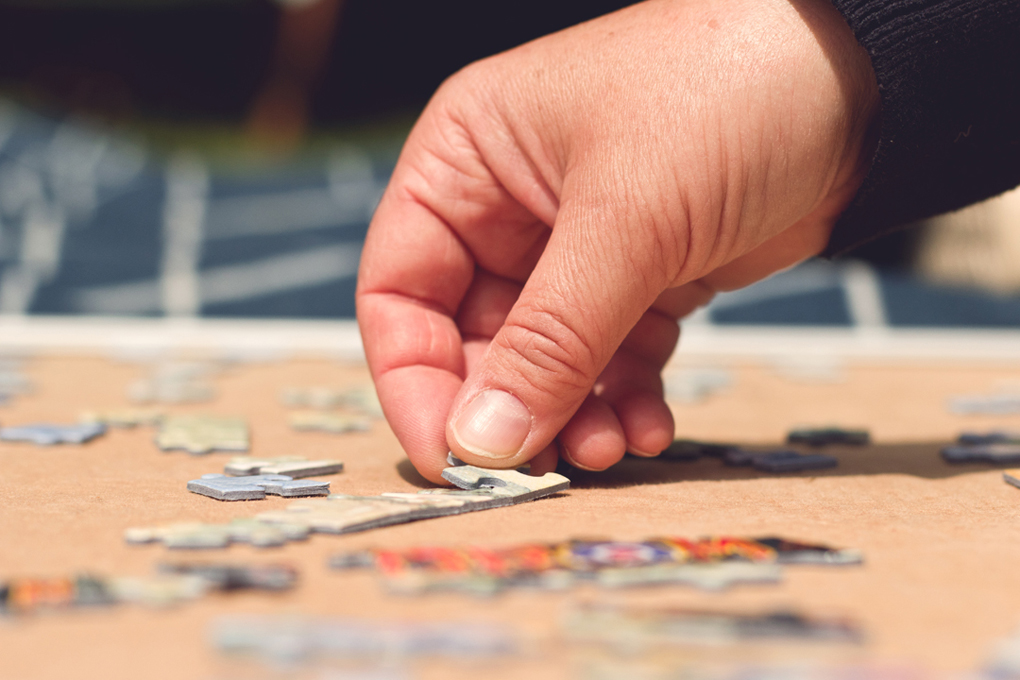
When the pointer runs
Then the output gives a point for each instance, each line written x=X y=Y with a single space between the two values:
x=948 y=75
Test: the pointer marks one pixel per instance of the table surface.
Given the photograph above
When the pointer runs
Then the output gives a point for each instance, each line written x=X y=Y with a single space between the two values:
x=938 y=589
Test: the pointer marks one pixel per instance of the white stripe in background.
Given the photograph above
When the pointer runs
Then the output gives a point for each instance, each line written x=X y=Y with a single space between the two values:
x=863 y=290
x=810 y=277
x=281 y=213
x=231 y=283
x=350 y=199
x=187 y=185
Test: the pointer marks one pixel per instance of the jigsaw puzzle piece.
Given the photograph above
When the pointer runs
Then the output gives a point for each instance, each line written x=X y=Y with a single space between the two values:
x=512 y=484
x=45 y=434
x=291 y=466
x=124 y=417
x=200 y=435
x=713 y=576
x=340 y=514
x=255 y=487
x=828 y=436
x=983 y=453
x=198 y=536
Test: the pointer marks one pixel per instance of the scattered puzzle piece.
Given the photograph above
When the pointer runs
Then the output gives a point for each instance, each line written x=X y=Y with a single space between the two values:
x=993 y=437
x=123 y=417
x=159 y=591
x=292 y=466
x=328 y=422
x=196 y=535
x=255 y=487
x=506 y=483
x=779 y=461
x=45 y=434
x=482 y=490
x=982 y=453
x=231 y=577
x=828 y=436
x=323 y=398
x=203 y=434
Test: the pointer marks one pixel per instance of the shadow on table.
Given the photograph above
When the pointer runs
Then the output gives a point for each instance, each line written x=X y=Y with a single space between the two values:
x=921 y=459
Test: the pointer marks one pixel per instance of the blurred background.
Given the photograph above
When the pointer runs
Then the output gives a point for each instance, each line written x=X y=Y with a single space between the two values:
x=222 y=158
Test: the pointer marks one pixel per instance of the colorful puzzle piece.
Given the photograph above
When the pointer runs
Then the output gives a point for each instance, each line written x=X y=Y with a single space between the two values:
x=292 y=466
x=45 y=434
x=485 y=571
x=255 y=487
x=199 y=435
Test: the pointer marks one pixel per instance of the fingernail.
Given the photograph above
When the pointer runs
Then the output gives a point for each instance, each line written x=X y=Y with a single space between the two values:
x=494 y=425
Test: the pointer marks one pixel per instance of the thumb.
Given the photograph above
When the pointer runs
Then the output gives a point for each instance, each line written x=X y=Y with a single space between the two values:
x=582 y=299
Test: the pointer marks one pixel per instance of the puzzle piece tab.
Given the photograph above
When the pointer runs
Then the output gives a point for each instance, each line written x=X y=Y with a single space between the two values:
x=199 y=435
x=255 y=487
x=292 y=466
x=45 y=434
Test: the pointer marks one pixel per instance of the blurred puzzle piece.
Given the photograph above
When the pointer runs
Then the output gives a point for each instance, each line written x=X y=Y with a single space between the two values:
x=200 y=435
x=123 y=417
x=197 y=536
x=292 y=466
x=255 y=487
x=46 y=434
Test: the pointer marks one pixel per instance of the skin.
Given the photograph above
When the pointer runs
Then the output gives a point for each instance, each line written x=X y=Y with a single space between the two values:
x=559 y=207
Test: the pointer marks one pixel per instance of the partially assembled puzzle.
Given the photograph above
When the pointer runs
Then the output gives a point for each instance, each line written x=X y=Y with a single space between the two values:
x=710 y=564
x=480 y=489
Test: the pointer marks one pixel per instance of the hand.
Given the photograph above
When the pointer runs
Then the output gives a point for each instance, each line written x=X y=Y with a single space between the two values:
x=558 y=207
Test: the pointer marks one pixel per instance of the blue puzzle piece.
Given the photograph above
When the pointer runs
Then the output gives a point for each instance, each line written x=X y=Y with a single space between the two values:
x=993 y=437
x=46 y=434
x=255 y=487
x=983 y=453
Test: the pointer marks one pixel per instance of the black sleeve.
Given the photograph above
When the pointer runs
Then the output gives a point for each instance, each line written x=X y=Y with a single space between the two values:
x=949 y=80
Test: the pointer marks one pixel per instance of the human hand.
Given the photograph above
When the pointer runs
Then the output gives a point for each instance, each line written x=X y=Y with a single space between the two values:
x=558 y=207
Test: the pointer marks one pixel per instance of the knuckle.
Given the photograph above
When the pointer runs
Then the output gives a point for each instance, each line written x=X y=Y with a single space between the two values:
x=557 y=354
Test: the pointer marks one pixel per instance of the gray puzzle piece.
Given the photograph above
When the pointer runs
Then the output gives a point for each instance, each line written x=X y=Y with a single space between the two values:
x=291 y=466
x=46 y=434
x=512 y=484
x=255 y=487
